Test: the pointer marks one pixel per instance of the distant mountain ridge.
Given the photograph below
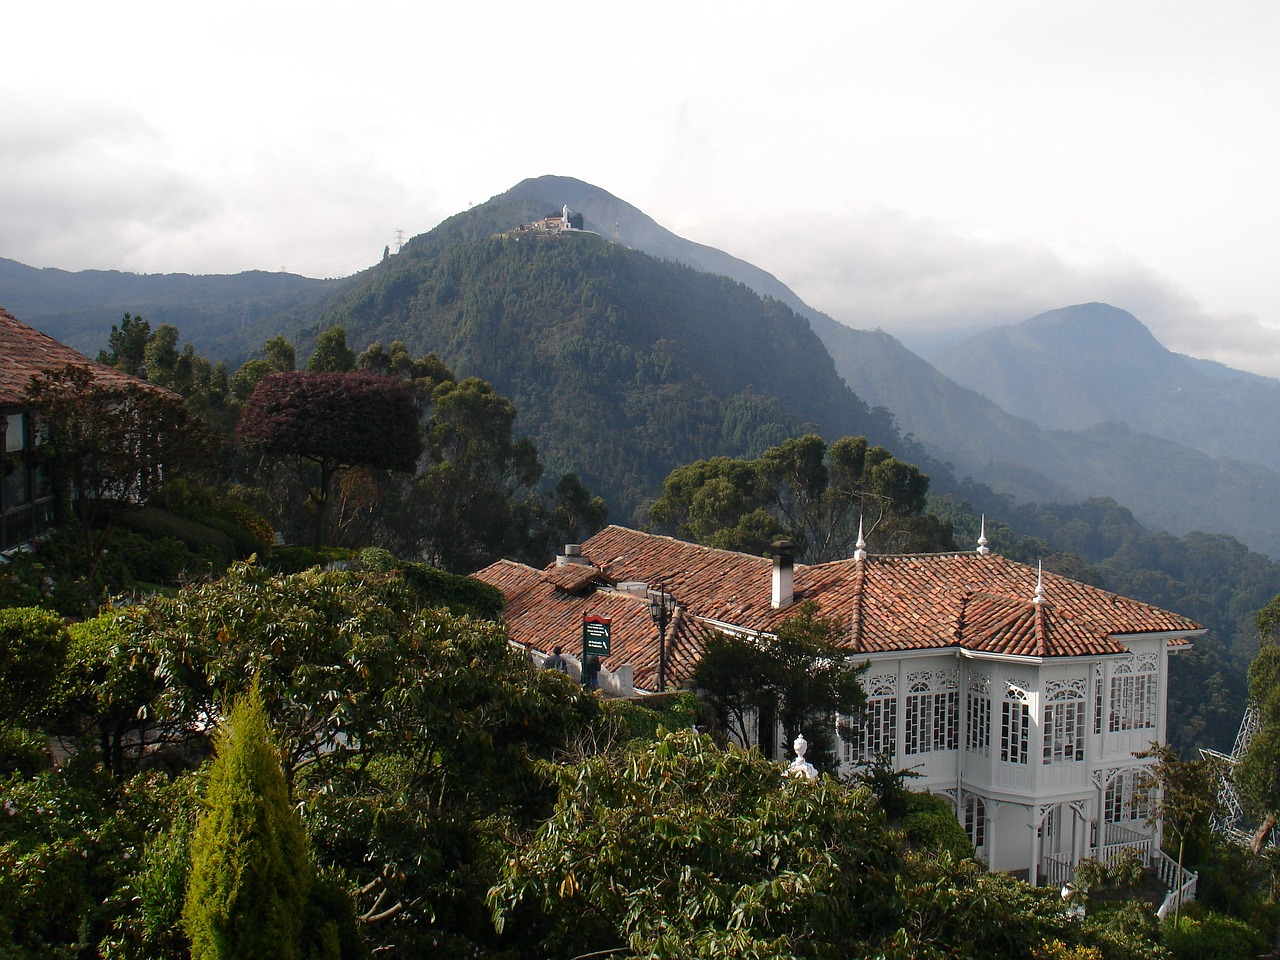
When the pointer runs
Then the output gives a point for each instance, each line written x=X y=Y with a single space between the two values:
x=994 y=421
x=1093 y=363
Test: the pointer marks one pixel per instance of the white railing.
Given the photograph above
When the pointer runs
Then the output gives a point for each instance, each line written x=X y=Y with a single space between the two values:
x=1120 y=840
x=1182 y=887
x=1056 y=870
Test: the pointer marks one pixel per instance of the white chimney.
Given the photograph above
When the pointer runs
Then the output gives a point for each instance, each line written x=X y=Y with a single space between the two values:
x=572 y=555
x=783 y=574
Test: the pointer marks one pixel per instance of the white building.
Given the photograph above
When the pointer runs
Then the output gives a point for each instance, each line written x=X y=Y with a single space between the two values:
x=1020 y=696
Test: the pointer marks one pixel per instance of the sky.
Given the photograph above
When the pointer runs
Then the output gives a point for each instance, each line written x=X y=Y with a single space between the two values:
x=928 y=168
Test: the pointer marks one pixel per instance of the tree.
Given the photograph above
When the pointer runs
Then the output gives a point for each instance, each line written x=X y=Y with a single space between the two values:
x=111 y=445
x=799 y=675
x=1186 y=796
x=127 y=346
x=680 y=849
x=327 y=422
x=817 y=496
x=1257 y=776
x=332 y=355
x=475 y=491
x=251 y=866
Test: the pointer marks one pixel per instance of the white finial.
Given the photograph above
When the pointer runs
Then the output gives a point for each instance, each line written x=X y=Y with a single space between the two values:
x=982 y=538
x=860 y=553
x=800 y=767
x=1039 y=597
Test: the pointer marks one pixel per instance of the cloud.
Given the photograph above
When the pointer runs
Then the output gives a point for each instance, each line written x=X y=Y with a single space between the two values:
x=930 y=285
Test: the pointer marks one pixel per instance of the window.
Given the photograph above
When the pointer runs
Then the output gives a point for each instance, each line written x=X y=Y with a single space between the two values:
x=1015 y=726
x=975 y=821
x=932 y=713
x=978 y=733
x=1064 y=722
x=1127 y=798
x=878 y=730
x=1134 y=694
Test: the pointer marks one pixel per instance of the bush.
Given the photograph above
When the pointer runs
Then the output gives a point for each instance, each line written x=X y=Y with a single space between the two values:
x=298 y=559
x=22 y=752
x=33 y=646
x=462 y=595
x=930 y=825
x=1213 y=937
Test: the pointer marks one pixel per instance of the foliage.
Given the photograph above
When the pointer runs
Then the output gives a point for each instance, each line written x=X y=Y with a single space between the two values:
x=331 y=421
x=798 y=674
x=817 y=496
x=955 y=908
x=642 y=721
x=68 y=839
x=1126 y=930
x=1257 y=776
x=1186 y=798
x=887 y=785
x=250 y=863
x=462 y=595
x=332 y=355
x=1212 y=937
x=111 y=444
x=680 y=849
x=33 y=645
x=409 y=735
x=106 y=690
x=623 y=366
x=930 y=826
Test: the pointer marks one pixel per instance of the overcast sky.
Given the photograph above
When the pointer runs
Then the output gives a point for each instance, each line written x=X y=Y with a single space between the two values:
x=922 y=167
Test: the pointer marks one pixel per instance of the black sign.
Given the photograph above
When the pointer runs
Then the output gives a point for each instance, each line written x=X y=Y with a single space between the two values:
x=595 y=635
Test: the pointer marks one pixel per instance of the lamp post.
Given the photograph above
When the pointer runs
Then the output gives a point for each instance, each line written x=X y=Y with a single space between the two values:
x=661 y=606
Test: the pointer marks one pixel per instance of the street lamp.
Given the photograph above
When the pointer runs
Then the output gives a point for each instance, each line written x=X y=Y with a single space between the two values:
x=661 y=606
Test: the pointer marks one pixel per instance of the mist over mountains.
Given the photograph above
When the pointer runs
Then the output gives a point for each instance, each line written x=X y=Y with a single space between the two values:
x=1075 y=403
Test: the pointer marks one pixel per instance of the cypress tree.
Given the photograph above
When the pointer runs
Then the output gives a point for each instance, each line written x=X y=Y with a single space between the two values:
x=251 y=869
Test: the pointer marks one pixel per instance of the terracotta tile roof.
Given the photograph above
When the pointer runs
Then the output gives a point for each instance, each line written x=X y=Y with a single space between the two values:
x=985 y=604
x=541 y=613
x=26 y=352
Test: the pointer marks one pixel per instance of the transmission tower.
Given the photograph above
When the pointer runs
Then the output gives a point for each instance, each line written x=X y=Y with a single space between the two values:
x=399 y=240
x=1231 y=820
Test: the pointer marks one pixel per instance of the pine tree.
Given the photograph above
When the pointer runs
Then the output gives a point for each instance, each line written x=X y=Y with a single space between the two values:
x=250 y=865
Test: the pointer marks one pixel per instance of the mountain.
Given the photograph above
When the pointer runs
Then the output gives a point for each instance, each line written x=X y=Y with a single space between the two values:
x=221 y=315
x=1094 y=363
x=622 y=366
x=1170 y=485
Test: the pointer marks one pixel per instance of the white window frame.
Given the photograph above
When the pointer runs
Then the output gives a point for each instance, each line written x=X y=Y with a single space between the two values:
x=1015 y=726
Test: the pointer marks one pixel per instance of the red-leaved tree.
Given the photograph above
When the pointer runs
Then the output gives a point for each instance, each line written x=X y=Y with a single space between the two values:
x=328 y=422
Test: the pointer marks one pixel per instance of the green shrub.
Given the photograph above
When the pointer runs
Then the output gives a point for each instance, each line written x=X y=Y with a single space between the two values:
x=1212 y=937
x=930 y=825
x=462 y=595
x=22 y=752
x=251 y=869
x=298 y=559
x=33 y=646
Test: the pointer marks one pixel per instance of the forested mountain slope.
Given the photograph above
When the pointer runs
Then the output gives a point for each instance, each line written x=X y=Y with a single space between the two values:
x=221 y=315
x=622 y=366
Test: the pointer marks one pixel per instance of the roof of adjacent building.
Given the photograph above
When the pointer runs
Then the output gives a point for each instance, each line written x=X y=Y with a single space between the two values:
x=26 y=353
x=982 y=603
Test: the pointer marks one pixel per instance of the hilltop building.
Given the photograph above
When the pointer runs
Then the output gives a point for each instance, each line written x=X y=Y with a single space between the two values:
x=1020 y=696
x=566 y=221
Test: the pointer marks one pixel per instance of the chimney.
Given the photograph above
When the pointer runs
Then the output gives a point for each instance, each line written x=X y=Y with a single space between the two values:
x=572 y=555
x=783 y=574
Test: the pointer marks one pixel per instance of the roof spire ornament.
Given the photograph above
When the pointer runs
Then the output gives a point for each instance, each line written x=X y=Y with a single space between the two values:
x=1039 y=597
x=860 y=548
x=983 y=549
